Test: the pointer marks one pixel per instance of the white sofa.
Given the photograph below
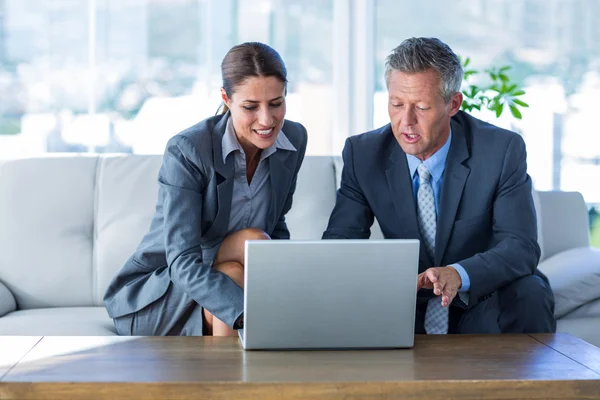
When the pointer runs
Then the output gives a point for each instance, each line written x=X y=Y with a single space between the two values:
x=68 y=223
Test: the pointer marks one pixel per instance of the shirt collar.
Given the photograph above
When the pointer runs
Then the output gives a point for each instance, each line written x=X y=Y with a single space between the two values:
x=230 y=143
x=435 y=164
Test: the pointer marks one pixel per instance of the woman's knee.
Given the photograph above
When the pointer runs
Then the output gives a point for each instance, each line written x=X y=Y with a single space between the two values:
x=253 y=234
x=233 y=246
x=232 y=269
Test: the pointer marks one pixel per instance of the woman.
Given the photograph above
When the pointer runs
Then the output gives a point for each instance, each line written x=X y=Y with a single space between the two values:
x=226 y=180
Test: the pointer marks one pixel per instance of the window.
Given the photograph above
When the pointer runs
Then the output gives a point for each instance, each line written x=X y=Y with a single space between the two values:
x=126 y=75
x=43 y=72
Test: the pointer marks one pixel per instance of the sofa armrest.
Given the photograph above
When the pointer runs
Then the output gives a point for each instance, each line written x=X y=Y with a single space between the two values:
x=574 y=276
x=7 y=300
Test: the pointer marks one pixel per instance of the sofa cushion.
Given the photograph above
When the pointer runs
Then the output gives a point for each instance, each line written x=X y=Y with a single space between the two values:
x=46 y=230
x=67 y=321
x=127 y=193
x=574 y=276
x=313 y=200
x=7 y=300
x=563 y=218
x=588 y=310
x=540 y=232
x=339 y=166
x=583 y=328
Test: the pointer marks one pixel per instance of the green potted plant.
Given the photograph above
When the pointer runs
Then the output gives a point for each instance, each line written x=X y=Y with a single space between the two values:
x=495 y=94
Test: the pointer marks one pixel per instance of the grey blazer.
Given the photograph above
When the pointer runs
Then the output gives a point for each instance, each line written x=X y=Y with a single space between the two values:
x=191 y=220
x=486 y=219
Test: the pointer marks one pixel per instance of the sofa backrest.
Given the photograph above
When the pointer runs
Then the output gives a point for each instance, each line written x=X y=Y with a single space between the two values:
x=126 y=197
x=68 y=223
x=47 y=230
x=564 y=218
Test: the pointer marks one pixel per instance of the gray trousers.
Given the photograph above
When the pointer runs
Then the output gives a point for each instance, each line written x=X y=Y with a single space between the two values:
x=175 y=314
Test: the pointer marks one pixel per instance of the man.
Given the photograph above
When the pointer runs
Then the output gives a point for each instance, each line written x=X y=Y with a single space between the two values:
x=457 y=184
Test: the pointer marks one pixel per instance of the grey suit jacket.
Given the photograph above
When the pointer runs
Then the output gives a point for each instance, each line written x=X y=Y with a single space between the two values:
x=486 y=219
x=191 y=220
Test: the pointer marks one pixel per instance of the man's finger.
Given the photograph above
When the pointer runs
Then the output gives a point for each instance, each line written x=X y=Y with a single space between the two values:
x=439 y=287
x=419 y=282
x=423 y=282
x=447 y=297
x=432 y=275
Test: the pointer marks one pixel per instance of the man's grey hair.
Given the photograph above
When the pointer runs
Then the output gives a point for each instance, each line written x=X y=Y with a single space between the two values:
x=420 y=54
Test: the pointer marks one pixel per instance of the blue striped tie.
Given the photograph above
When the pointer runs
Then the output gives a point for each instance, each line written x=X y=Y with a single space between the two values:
x=436 y=316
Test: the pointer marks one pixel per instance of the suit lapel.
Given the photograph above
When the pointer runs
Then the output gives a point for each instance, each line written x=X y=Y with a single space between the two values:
x=455 y=177
x=281 y=177
x=401 y=190
x=225 y=176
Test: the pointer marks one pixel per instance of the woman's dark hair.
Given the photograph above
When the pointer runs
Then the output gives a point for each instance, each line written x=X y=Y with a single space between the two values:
x=250 y=59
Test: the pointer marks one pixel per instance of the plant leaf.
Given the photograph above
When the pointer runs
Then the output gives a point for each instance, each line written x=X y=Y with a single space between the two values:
x=515 y=112
x=468 y=73
x=495 y=96
x=499 y=110
x=520 y=102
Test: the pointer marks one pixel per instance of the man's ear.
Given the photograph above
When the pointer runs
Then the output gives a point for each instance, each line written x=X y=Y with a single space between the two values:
x=455 y=103
x=224 y=97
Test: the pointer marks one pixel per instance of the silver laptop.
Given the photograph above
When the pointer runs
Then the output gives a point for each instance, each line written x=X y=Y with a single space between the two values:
x=330 y=294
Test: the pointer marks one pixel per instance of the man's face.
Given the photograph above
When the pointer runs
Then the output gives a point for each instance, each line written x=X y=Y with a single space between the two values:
x=419 y=114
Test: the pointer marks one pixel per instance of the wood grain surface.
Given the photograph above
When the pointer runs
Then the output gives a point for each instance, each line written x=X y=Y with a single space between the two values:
x=438 y=367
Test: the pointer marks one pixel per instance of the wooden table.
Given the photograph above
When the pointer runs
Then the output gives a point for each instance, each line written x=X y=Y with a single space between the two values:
x=438 y=367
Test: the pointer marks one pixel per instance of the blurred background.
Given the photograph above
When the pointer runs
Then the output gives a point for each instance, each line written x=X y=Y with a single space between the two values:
x=126 y=75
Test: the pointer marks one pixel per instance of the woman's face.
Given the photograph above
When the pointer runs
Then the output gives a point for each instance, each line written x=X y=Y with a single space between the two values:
x=257 y=108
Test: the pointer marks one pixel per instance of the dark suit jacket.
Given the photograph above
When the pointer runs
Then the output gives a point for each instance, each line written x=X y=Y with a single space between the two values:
x=192 y=218
x=486 y=219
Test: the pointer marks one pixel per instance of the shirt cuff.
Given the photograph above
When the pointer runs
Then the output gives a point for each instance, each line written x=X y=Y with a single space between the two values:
x=466 y=282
